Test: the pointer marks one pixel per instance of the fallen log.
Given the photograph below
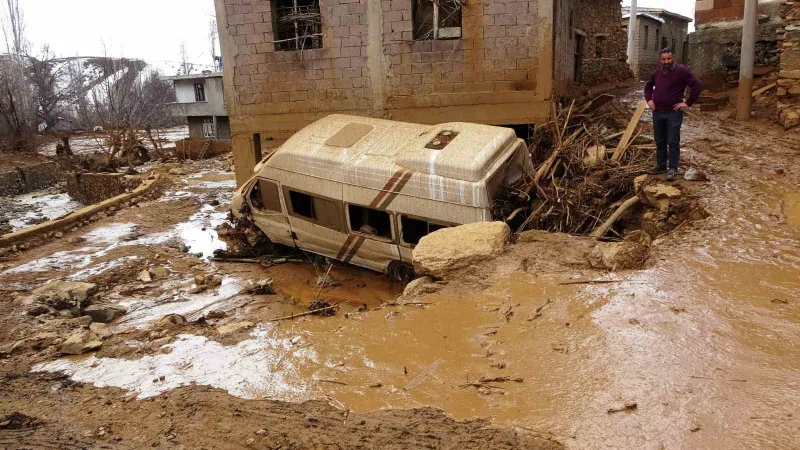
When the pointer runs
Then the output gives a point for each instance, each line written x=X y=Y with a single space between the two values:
x=603 y=229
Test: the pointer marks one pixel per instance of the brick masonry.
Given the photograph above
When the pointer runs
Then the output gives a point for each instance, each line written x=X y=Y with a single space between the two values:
x=500 y=71
x=789 y=75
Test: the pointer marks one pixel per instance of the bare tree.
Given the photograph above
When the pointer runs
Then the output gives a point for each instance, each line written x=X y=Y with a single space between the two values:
x=186 y=66
x=212 y=40
x=17 y=116
x=58 y=83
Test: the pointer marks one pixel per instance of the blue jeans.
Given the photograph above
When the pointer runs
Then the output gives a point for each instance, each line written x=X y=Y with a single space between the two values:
x=667 y=130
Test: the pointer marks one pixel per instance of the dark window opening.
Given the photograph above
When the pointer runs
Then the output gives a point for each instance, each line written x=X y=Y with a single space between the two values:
x=416 y=229
x=370 y=221
x=523 y=131
x=257 y=147
x=297 y=24
x=266 y=195
x=658 y=33
x=199 y=92
x=646 y=37
x=664 y=43
x=599 y=42
x=440 y=19
x=302 y=204
x=577 y=76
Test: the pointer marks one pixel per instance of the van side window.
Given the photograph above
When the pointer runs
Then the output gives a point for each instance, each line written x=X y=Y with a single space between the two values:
x=370 y=221
x=319 y=210
x=266 y=195
x=415 y=229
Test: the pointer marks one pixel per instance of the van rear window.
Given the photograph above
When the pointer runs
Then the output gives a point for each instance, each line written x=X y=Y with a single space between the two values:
x=415 y=229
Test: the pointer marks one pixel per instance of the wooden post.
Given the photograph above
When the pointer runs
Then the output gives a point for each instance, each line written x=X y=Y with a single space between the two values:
x=744 y=94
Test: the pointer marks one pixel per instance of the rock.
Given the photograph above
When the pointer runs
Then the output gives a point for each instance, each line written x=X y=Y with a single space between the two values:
x=594 y=156
x=659 y=195
x=233 y=327
x=421 y=286
x=177 y=171
x=789 y=118
x=455 y=248
x=172 y=319
x=158 y=343
x=145 y=276
x=213 y=280
x=58 y=234
x=198 y=289
x=695 y=175
x=261 y=286
x=77 y=291
x=101 y=330
x=639 y=181
x=618 y=255
x=200 y=279
x=76 y=240
x=159 y=272
x=38 y=341
x=103 y=312
x=80 y=342
x=639 y=236
x=38 y=310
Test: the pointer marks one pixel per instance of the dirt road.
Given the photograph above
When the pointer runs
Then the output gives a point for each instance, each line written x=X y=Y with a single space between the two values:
x=521 y=351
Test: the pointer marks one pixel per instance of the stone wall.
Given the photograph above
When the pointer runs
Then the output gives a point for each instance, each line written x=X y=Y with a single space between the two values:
x=789 y=75
x=89 y=188
x=605 y=47
x=21 y=180
x=715 y=49
x=196 y=149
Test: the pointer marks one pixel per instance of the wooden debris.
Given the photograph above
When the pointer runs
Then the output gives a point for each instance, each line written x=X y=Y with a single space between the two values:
x=629 y=406
x=758 y=92
x=603 y=229
x=500 y=380
x=419 y=379
x=626 y=137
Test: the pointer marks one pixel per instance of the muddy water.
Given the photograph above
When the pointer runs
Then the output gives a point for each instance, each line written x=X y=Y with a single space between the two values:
x=792 y=208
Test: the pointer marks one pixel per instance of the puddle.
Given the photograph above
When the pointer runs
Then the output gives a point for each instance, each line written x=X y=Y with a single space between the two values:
x=198 y=232
x=254 y=368
x=791 y=208
x=39 y=205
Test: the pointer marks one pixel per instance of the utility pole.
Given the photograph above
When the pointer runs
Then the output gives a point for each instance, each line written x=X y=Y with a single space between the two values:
x=633 y=24
x=744 y=94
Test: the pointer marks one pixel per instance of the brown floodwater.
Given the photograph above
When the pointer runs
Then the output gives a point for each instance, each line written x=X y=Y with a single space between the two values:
x=704 y=341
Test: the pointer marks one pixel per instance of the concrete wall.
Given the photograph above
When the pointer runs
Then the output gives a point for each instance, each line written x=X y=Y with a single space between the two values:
x=21 y=180
x=187 y=106
x=499 y=72
x=89 y=188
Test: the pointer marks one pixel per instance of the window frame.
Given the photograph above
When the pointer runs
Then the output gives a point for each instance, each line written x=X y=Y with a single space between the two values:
x=658 y=40
x=646 y=36
x=200 y=93
x=433 y=35
x=264 y=209
x=339 y=227
x=392 y=226
x=282 y=43
x=399 y=225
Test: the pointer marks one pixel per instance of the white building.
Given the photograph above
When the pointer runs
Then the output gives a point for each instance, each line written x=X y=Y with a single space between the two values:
x=201 y=100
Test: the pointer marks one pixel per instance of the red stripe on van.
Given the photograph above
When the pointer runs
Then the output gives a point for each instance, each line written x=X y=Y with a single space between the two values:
x=343 y=250
x=397 y=190
x=386 y=189
x=354 y=250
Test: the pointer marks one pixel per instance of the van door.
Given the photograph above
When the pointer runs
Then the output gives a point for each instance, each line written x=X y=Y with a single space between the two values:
x=373 y=236
x=317 y=221
x=269 y=214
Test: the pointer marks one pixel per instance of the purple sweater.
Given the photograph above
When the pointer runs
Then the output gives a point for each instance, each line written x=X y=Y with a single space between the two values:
x=667 y=89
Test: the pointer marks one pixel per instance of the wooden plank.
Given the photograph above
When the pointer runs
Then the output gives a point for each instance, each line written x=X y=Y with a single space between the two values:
x=758 y=92
x=626 y=137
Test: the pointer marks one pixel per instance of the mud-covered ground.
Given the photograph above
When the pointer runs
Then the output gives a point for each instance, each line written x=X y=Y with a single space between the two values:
x=532 y=350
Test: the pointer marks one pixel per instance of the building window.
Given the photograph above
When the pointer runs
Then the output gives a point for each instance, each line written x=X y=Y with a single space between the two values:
x=658 y=33
x=257 y=147
x=266 y=196
x=199 y=92
x=415 y=229
x=208 y=127
x=437 y=19
x=664 y=43
x=646 y=36
x=599 y=42
x=297 y=24
x=318 y=210
x=373 y=222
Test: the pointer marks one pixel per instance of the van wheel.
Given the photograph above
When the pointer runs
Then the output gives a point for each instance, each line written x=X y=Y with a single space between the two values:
x=401 y=272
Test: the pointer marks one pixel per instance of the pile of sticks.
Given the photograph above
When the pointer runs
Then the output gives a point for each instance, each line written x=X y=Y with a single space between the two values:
x=584 y=171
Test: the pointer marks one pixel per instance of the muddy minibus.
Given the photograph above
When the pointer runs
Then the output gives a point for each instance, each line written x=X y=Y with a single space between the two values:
x=365 y=191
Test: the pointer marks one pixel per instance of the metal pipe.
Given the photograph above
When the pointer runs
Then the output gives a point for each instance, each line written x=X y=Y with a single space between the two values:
x=744 y=94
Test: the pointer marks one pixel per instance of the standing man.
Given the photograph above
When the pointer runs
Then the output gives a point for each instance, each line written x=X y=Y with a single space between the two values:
x=664 y=94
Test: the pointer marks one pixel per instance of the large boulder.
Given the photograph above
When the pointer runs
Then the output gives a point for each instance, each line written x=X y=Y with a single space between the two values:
x=660 y=195
x=104 y=312
x=80 y=342
x=77 y=291
x=618 y=255
x=450 y=249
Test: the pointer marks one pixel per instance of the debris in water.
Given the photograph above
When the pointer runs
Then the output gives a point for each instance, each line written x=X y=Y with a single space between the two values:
x=695 y=428
x=629 y=406
x=780 y=300
x=419 y=379
x=321 y=308
x=261 y=286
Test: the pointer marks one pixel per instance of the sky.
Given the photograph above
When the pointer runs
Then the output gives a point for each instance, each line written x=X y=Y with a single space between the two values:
x=153 y=30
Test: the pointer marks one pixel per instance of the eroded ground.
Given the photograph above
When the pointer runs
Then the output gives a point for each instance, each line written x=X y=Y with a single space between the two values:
x=702 y=339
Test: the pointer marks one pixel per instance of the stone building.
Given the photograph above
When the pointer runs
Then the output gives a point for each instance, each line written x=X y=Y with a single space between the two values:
x=715 y=46
x=657 y=29
x=290 y=62
x=789 y=75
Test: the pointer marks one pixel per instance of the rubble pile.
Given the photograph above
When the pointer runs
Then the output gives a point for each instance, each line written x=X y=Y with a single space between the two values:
x=789 y=75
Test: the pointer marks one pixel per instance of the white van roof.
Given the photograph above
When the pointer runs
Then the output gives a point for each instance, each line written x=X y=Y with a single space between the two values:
x=367 y=152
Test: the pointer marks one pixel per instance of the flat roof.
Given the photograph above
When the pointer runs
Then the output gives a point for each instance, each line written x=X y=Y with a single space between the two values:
x=193 y=76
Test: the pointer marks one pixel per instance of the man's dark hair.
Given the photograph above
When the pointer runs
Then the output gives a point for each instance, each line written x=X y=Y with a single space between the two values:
x=665 y=50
